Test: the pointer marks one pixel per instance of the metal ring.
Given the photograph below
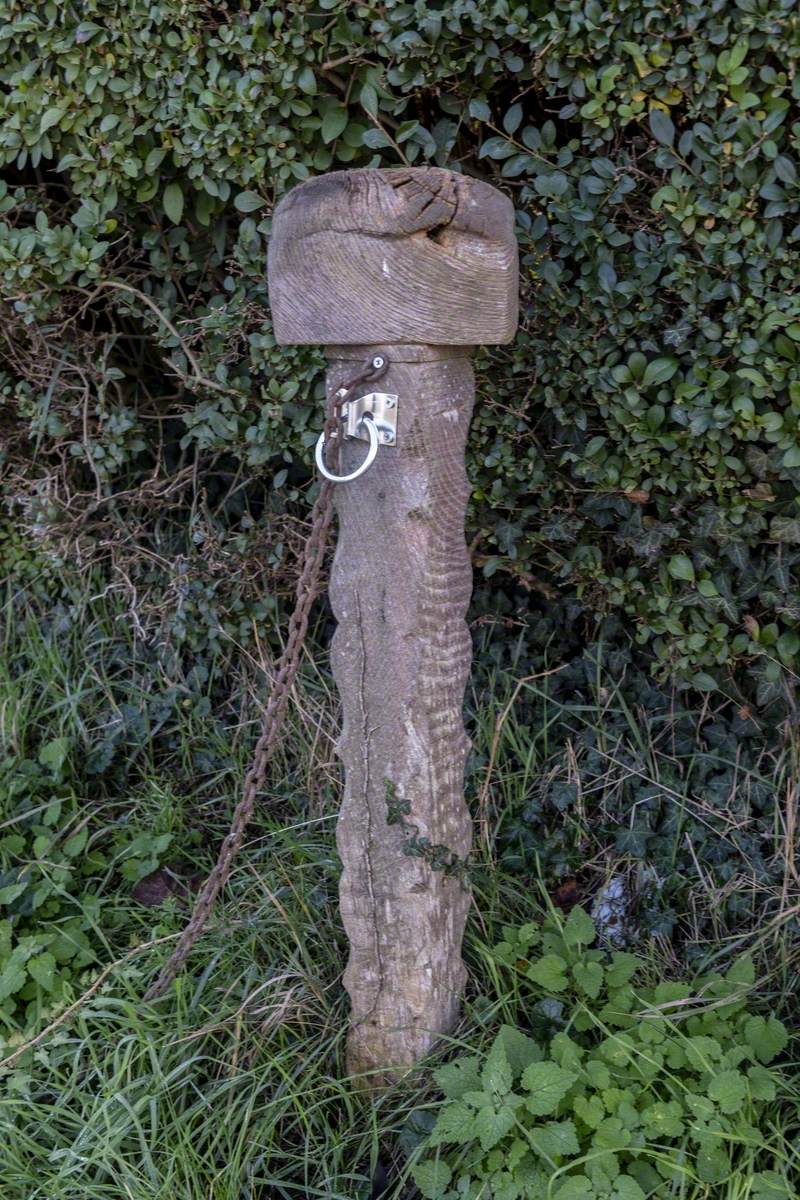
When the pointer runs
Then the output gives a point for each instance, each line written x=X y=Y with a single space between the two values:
x=365 y=465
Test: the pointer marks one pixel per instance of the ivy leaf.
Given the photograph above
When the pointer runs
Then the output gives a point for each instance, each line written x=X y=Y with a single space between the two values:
x=767 y=1037
x=728 y=1089
x=173 y=202
x=549 y=972
x=548 y=1084
x=455 y=1123
x=589 y=978
x=661 y=127
x=579 y=928
x=460 y=1076
x=333 y=123
x=493 y=1124
x=432 y=1178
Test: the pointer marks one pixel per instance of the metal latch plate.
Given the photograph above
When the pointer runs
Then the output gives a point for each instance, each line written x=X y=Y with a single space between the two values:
x=381 y=406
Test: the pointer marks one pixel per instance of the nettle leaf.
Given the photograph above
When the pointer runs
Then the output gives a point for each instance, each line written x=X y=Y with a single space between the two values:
x=432 y=1178
x=493 y=1124
x=520 y=1049
x=663 y=1119
x=460 y=1076
x=623 y=967
x=712 y=1162
x=42 y=967
x=77 y=843
x=626 y=1188
x=589 y=978
x=505 y=1187
x=769 y=1185
x=766 y=1036
x=455 y=1123
x=702 y=1052
x=566 y=1052
x=762 y=1083
x=11 y=892
x=577 y=1187
x=550 y=972
x=548 y=1084
x=556 y=1139
x=728 y=1089
x=598 y=1074
x=579 y=928
x=497 y=1076
x=53 y=754
x=590 y=1110
x=13 y=974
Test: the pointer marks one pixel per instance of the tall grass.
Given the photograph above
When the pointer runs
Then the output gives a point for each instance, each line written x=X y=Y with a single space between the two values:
x=234 y=1085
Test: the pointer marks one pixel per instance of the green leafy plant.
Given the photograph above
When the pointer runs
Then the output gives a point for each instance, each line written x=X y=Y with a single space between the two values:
x=621 y=1089
x=52 y=852
x=635 y=452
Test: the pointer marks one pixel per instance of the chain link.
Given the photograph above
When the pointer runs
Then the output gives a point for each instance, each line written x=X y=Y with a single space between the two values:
x=288 y=666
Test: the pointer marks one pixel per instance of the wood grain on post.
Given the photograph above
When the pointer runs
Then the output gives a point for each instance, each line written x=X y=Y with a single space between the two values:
x=419 y=265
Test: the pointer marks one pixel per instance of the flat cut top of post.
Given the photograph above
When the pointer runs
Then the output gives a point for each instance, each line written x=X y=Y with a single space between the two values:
x=419 y=255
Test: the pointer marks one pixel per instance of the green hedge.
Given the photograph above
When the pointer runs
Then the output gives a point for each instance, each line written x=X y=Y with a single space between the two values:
x=635 y=453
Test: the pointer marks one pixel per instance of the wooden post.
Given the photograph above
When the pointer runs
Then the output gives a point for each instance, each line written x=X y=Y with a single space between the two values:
x=417 y=265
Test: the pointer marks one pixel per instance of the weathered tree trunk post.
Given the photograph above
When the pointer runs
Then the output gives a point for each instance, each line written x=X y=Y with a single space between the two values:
x=417 y=266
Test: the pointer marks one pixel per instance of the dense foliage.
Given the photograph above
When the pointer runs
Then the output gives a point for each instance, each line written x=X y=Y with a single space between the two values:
x=635 y=452
x=624 y=1091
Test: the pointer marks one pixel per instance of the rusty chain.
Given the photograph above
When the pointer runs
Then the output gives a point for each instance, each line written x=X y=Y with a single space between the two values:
x=286 y=673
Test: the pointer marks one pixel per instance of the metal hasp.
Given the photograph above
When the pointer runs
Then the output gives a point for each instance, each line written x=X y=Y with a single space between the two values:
x=381 y=407
x=418 y=265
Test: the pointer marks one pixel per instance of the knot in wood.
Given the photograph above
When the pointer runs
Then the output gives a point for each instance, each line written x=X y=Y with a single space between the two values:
x=405 y=255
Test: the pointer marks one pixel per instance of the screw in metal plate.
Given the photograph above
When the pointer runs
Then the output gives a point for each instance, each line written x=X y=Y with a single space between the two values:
x=389 y=402
x=378 y=362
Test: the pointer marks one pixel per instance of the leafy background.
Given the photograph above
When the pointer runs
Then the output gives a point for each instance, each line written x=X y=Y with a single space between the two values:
x=635 y=454
x=636 y=450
